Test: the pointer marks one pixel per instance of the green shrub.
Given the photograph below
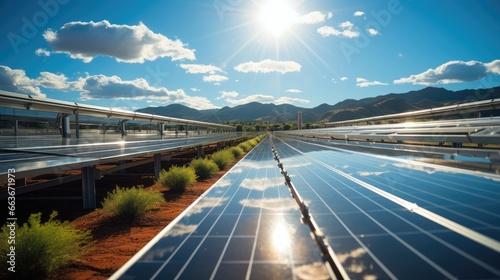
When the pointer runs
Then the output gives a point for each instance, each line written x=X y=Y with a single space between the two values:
x=131 y=203
x=223 y=158
x=204 y=168
x=177 y=178
x=237 y=151
x=245 y=147
x=42 y=247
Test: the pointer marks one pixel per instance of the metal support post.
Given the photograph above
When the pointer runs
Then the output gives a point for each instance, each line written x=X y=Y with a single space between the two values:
x=157 y=166
x=161 y=128
x=200 y=151
x=77 y=125
x=66 y=132
x=16 y=128
x=88 y=187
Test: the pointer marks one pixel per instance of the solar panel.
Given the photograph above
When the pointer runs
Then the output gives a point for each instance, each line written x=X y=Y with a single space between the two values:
x=383 y=217
x=246 y=226
x=396 y=218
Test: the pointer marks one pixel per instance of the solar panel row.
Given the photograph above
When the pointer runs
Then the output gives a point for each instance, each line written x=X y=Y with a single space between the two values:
x=396 y=218
x=246 y=226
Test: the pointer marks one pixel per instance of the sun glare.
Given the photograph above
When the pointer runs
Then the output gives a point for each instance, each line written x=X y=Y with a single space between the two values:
x=277 y=16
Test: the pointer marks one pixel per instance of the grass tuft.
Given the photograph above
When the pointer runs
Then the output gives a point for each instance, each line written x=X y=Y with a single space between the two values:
x=131 y=203
x=223 y=158
x=204 y=167
x=42 y=247
x=178 y=178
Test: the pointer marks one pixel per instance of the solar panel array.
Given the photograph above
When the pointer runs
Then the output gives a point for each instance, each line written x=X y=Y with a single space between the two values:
x=383 y=218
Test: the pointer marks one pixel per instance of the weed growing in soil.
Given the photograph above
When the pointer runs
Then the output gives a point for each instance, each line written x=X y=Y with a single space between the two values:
x=178 y=178
x=131 y=203
x=42 y=247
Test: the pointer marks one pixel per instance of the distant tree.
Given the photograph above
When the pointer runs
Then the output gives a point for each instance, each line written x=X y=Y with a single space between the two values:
x=286 y=127
x=239 y=127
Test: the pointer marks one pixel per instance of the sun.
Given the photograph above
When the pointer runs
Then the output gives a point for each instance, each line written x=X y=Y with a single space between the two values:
x=277 y=16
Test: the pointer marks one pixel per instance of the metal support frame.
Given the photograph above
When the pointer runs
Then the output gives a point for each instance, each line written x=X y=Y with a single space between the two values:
x=77 y=125
x=122 y=128
x=200 y=151
x=65 y=126
x=16 y=128
x=157 y=165
x=161 y=128
x=88 y=187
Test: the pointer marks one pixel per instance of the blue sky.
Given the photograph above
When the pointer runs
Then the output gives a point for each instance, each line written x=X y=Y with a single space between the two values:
x=211 y=54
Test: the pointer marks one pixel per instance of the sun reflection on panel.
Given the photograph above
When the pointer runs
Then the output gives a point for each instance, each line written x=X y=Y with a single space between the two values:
x=281 y=238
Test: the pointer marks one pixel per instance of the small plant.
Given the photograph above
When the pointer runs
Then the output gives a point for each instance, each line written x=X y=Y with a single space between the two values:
x=245 y=147
x=237 y=151
x=177 y=178
x=42 y=247
x=223 y=158
x=204 y=168
x=131 y=203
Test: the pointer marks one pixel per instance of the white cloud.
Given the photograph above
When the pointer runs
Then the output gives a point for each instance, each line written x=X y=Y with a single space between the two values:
x=195 y=89
x=313 y=18
x=372 y=31
x=359 y=13
x=126 y=43
x=15 y=80
x=330 y=15
x=453 y=72
x=360 y=82
x=290 y=100
x=42 y=52
x=200 y=68
x=292 y=90
x=493 y=67
x=261 y=98
x=344 y=79
x=347 y=30
x=215 y=79
x=229 y=97
x=268 y=66
x=227 y=94
x=54 y=81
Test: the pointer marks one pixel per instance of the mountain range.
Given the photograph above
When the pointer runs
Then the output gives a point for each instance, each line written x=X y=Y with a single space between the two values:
x=391 y=103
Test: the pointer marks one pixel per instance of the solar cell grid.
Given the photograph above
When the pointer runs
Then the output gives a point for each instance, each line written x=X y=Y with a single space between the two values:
x=376 y=235
x=247 y=226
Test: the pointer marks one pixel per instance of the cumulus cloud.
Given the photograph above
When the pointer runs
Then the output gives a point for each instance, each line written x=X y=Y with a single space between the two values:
x=359 y=13
x=15 y=80
x=347 y=30
x=94 y=87
x=126 y=43
x=330 y=15
x=313 y=18
x=227 y=94
x=372 y=31
x=344 y=79
x=290 y=100
x=453 y=72
x=360 y=82
x=261 y=98
x=42 y=52
x=113 y=87
x=215 y=79
x=268 y=66
x=292 y=90
x=230 y=97
x=200 y=68
x=54 y=81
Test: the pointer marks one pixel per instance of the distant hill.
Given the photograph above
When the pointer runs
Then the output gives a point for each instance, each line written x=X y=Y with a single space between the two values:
x=391 y=103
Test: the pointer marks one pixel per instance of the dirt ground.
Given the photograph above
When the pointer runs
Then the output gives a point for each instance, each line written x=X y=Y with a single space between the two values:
x=116 y=241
